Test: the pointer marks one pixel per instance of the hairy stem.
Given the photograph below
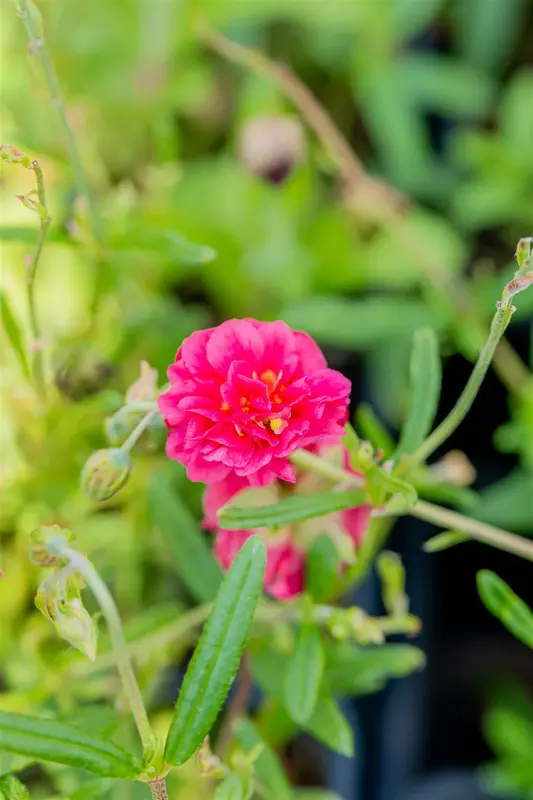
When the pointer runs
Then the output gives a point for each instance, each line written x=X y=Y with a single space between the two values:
x=120 y=648
x=371 y=196
x=158 y=787
x=464 y=403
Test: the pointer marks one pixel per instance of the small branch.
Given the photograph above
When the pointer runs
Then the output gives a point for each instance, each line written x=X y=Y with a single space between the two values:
x=464 y=403
x=158 y=787
x=236 y=709
x=120 y=647
x=503 y=540
x=138 y=431
x=45 y=221
x=380 y=202
x=31 y=18
x=311 y=463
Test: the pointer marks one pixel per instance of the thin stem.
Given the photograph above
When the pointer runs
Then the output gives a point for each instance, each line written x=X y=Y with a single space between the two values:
x=158 y=787
x=503 y=540
x=464 y=403
x=145 y=405
x=138 y=431
x=38 y=366
x=370 y=196
x=120 y=648
x=33 y=24
x=311 y=463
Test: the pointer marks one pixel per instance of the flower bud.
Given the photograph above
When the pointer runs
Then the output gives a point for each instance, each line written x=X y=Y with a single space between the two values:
x=74 y=624
x=80 y=374
x=40 y=538
x=523 y=252
x=12 y=155
x=145 y=387
x=105 y=472
x=269 y=146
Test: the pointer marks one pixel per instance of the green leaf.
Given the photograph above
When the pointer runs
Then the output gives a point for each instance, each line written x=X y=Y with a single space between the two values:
x=13 y=789
x=14 y=334
x=235 y=787
x=267 y=766
x=517 y=114
x=48 y=740
x=501 y=601
x=329 y=725
x=322 y=568
x=413 y=16
x=304 y=674
x=358 y=324
x=425 y=385
x=190 y=551
x=446 y=85
x=372 y=429
x=217 y=655
x=9 y=233
x=507 y=503
x=351 y=670
x=442 y=541
x=292 y=509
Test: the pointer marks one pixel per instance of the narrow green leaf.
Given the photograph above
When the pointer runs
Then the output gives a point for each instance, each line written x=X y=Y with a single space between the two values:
x=235 y=787
x=217 y=655
x=190 y=551
x=292 y=509
x=48 y=740
x=425 y=374
x=442 y=541
x=501 y=601
x=361 y=324
x=267 y=767
x=12 y=789
x=14 y=334
x=371 y=429
x=329 y=725
x=352 y=670
x=322 y=568
x=304 y=674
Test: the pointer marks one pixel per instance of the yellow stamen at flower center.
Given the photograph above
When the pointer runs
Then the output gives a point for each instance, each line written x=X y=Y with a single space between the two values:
x=270 y=379
x=277 y=425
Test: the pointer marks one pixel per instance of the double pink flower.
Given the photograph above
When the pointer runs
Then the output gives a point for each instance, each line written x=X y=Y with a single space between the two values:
x=242 y=398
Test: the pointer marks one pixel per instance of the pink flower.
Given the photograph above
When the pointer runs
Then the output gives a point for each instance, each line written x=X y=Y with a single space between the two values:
x=285 y=570
x=246 y=395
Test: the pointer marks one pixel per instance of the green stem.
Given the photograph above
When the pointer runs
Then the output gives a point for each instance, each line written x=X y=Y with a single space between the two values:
x=30 y=15
x=488 y=534
x=38 y=366
x=138 y=431
x=504 y=540
x=464 y=403
x=120 y=648
x=311 y=463
x=158 y=787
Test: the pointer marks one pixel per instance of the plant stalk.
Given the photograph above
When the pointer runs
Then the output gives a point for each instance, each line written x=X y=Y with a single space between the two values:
x=38 y=365
x=137 y=432
x=464 y=403
x=158 y=787
x=120 y=648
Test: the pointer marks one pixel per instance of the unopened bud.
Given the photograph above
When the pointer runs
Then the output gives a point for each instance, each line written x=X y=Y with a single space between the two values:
x=12 y=155
x=269 y=146
x=39 y=550
x=105 y=472
x=74 y=624
x=145 y=387
x=454 y=467
x=392 y=574
x=523 y=252
x=210 y=766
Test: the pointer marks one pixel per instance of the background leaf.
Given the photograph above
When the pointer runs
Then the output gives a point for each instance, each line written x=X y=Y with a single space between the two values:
x=304 y=674
x=14 y=334
x=267 y=767
x=322 y=568
x=425 y=385
x=501 y=601
x=192 y=556
x=217 y=654
x=329 y=725
x=48 y=740
x=12 y=789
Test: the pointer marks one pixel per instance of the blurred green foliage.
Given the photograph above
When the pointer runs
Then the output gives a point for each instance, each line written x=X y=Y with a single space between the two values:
x=435 y=97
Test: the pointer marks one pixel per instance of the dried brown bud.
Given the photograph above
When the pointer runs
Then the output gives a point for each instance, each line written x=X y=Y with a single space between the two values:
x=269 y=146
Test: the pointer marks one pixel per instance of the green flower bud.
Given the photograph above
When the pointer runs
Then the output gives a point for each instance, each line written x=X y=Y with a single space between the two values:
x=74 y=624
x=105 y=473
x=39 y=552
